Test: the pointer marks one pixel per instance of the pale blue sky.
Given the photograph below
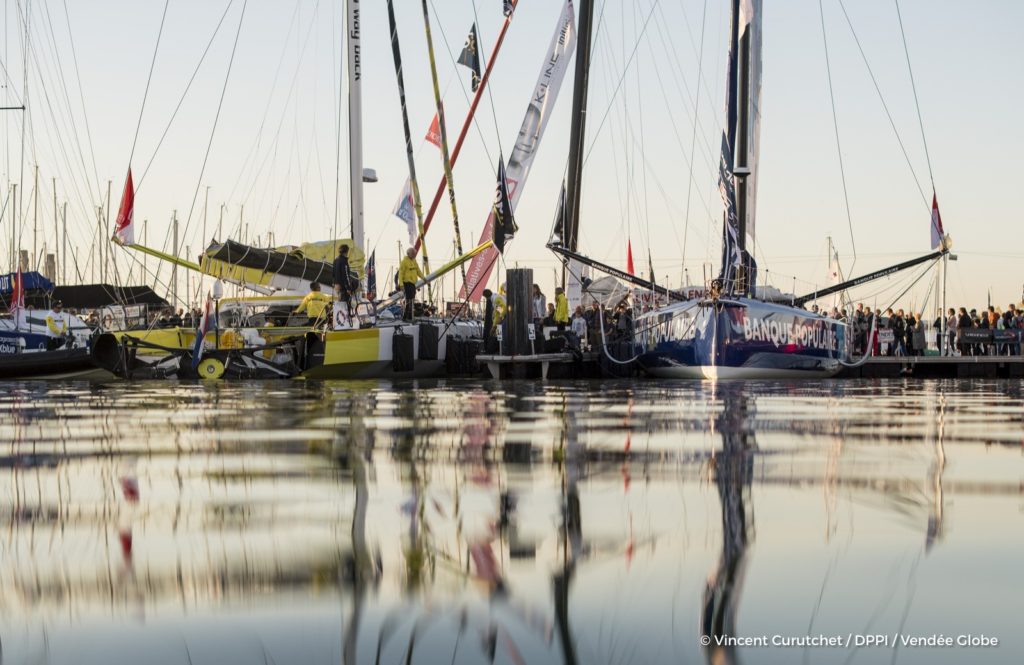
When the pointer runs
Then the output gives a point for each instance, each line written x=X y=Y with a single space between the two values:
x=967 y=61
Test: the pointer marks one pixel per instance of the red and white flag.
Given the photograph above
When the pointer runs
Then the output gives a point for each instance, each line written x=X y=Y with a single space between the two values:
x=629 y=257
x=124 y=230
x=17 y=293
x=434 y=133
x=937 y=233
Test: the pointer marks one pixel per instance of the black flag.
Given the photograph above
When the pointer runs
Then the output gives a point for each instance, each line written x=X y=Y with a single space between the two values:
x=470 y=56
x=504 y=223
x=507 y=6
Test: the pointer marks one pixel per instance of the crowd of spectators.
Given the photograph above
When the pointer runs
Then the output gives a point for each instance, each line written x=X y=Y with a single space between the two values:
x=992 y=331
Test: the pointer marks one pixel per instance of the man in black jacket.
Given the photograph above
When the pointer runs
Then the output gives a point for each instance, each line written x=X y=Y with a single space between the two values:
x=343 y=279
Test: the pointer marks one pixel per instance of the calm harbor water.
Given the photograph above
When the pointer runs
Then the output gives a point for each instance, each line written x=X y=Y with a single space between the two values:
x=475 y=522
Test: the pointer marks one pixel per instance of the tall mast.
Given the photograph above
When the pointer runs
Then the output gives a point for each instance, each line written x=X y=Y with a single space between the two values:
x=442 y=125
x=396 y=52
x=578 y=131
x=355 y=123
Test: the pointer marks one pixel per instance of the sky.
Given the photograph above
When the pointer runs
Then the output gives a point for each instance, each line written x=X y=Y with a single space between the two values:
x=252 y=150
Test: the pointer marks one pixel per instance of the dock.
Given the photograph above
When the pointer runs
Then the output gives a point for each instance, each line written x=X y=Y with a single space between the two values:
x=938 y=367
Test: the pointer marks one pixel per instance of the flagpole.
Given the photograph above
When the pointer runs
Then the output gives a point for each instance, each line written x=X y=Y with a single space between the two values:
x=446 y=158
x=469 y=121
x=396 y=52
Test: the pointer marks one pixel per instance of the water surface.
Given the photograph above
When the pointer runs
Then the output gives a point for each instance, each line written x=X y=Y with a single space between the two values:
x=477 y=522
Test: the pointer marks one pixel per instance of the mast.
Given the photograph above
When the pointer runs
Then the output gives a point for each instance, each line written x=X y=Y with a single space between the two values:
x=35 y=221
x=355 y=123
x=446 y=157
x=396 y=52
x=56 y=233
x=577 y=132
x=468 y=121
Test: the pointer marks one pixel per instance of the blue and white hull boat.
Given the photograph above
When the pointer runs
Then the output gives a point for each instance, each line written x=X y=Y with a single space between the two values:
x=739 y=338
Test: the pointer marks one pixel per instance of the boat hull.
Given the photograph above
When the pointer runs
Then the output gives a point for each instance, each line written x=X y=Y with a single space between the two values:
x=59 y=364
x=369 y=353
x=739 y=339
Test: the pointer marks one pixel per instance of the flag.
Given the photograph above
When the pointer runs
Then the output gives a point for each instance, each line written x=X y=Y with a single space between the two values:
x=434 y=133
x=371 y=277
x=405 y=210
x=629 y=257
x=507 y=6
x=206 y=323
x=504 y=222
x=17 y=293
x=124 y=230
x=470 y=57
x=937 y=232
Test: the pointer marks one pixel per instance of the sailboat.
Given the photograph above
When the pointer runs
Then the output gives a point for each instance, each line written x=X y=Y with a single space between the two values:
x=363 y=343
x=734 y=329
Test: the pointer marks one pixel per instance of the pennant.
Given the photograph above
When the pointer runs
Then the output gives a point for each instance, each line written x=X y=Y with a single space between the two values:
x=206 y=323
x=371 y=277
x=507 y=6
x=405 y=210
x=434 y=133
x=124 y=229
x=470 y=56
x=629 y=257
x=937 y=233
x=17 y=293
x=504 y=222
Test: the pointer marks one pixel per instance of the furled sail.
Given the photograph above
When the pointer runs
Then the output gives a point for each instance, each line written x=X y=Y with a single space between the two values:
x=737 y=178
x=287 y=268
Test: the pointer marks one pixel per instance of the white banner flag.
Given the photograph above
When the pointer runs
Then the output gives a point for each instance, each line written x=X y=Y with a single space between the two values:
x=537 y=115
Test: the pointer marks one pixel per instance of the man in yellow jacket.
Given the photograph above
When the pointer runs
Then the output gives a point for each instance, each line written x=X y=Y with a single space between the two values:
x=57 y=327
x=408 y=272
x=314 y=303
x=561 y=309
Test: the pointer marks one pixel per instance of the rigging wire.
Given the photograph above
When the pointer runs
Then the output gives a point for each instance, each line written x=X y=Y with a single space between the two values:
x=835 y=125
x=885 y=106
x=149 y=79
x=184 y=94
x=216 y=118
x=917 y=104
x=693 y=136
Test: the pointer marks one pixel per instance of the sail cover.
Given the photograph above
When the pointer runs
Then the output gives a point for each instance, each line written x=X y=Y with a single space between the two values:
x=740 y=139
x=257 y=265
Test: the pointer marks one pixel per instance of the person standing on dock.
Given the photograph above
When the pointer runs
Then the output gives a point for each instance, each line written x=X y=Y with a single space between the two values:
x=343 y=279
x=540 y=303
x=408 y=272
x=488 y=319
x=561 y=309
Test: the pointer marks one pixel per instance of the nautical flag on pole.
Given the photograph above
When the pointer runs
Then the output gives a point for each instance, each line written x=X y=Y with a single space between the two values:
x=470 y=56
x=124 y=230
x=371 y=277
x=937 y=232
x=434 y=133
x=207 y=323
x=504 y=222
x=507 y=6
x=405 y=210
x=629 y=257
x=17 y=293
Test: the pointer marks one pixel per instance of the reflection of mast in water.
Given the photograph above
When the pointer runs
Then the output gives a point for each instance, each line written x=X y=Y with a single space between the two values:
x=733 y=470
x=571 y=531
x=938 y=467
x=351 y=450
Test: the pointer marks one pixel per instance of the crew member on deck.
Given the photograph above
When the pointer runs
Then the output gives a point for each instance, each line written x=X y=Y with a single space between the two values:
x=343 y=279
x=57 y=326
x=561 y=309
x=408 y=272
x=313 y=304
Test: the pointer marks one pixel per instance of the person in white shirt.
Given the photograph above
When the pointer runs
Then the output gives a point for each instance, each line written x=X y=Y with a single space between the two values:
x=539 y=304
